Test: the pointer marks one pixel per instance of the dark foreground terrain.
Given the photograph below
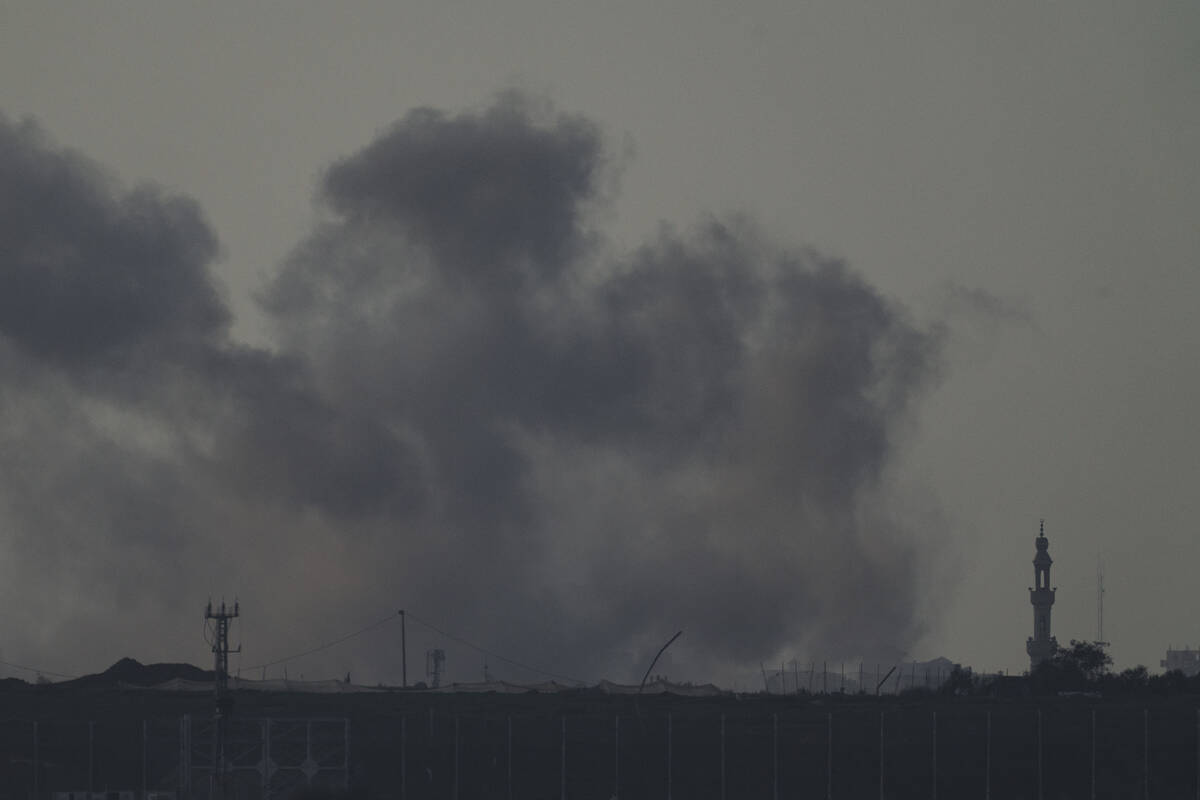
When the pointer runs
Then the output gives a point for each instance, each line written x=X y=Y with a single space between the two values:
x=108 y=735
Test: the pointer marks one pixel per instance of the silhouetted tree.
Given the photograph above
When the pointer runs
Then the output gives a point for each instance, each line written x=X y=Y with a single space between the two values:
x=960 y=682
x=1078 y=667
x=1135 y=680
x=1173 y=682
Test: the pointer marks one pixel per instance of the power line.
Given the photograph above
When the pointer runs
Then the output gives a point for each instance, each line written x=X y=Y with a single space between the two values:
x=327 y=645
x=38 y=671
x=493 y=654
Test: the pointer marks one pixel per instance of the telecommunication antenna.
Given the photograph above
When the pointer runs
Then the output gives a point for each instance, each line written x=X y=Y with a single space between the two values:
x=435 y=664
x=221 y=619
x=1100 y=601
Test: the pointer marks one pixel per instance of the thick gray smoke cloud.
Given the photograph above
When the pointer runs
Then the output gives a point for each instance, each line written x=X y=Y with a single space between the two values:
x=476 y=409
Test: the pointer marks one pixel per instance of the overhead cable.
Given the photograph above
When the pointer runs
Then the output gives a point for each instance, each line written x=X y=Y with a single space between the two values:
x=493 y=654
x=327 y=645
x=38 y=671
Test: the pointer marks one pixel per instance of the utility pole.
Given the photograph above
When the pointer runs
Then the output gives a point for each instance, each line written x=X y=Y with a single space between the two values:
x=403 y=653
x=221 y=618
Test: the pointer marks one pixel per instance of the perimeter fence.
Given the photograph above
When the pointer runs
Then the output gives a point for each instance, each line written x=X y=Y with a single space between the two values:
x=1060 y=750
x=171 y=759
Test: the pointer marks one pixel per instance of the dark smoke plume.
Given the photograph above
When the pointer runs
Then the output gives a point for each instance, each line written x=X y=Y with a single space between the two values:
x=475 y=407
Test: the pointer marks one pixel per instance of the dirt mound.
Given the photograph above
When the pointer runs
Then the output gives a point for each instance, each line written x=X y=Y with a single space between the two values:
x=132 y=672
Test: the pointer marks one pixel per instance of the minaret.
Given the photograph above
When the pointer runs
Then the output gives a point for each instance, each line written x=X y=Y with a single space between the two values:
x=1041 y=646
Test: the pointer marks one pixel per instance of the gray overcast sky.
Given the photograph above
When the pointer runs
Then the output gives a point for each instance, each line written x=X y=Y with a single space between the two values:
x=1024 y=174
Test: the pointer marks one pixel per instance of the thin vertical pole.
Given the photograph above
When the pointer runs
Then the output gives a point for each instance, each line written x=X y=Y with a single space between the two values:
x=36 y=766
x=563 y=759
x=723 y=750
x=265 y=764
x=1093 y=754
x=1146 y=754
x=144 y=786
x=934 y=748
x=616 y=757
x=824 y=677
x=308 y=743
x=456 y=757
x=91 y=755
x=508 y=756
x=829 y=756
x=403 y=652
x=987 y=764
x=668 y=755
x=775 y=753
x=403 y=758
x=185 y=767
x=880 y=755
x=1039 y=752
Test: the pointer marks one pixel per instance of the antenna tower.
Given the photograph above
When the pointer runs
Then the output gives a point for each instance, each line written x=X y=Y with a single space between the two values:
x=221 y=618
x=1100 y=601
x=435 y=663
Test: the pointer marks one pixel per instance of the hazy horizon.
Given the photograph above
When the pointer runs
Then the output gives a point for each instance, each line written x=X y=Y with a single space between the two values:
x=572 y=327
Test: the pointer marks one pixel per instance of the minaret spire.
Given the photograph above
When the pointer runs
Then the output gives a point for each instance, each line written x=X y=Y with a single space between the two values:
x=1041 y=646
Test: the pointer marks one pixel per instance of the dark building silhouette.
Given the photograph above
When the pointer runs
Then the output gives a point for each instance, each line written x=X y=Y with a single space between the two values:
x=1041 y=646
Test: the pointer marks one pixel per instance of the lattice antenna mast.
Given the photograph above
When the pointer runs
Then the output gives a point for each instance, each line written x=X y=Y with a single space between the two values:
x=221 y=618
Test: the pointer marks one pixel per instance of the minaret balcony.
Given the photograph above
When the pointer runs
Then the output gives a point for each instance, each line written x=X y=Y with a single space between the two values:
x=1040 y=597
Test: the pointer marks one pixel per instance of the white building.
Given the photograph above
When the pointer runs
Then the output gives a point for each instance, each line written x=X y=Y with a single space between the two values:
x=1186 y=661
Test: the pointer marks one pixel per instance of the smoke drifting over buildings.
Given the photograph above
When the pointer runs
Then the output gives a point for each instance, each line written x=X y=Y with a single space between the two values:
x=474 y=405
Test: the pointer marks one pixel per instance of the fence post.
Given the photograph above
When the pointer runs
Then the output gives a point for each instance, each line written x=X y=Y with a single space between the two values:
x=723 y=750
x=934 y=748
x=616 y=757
x=1039 y=752
x=266 y=755
x=185 y=753
x=1093 y=754
x=829 y=757
x=36 y=766
x=1146 y=754
x=669 y=755
x=881 y=755
x=775 y=754
x=987 y=768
